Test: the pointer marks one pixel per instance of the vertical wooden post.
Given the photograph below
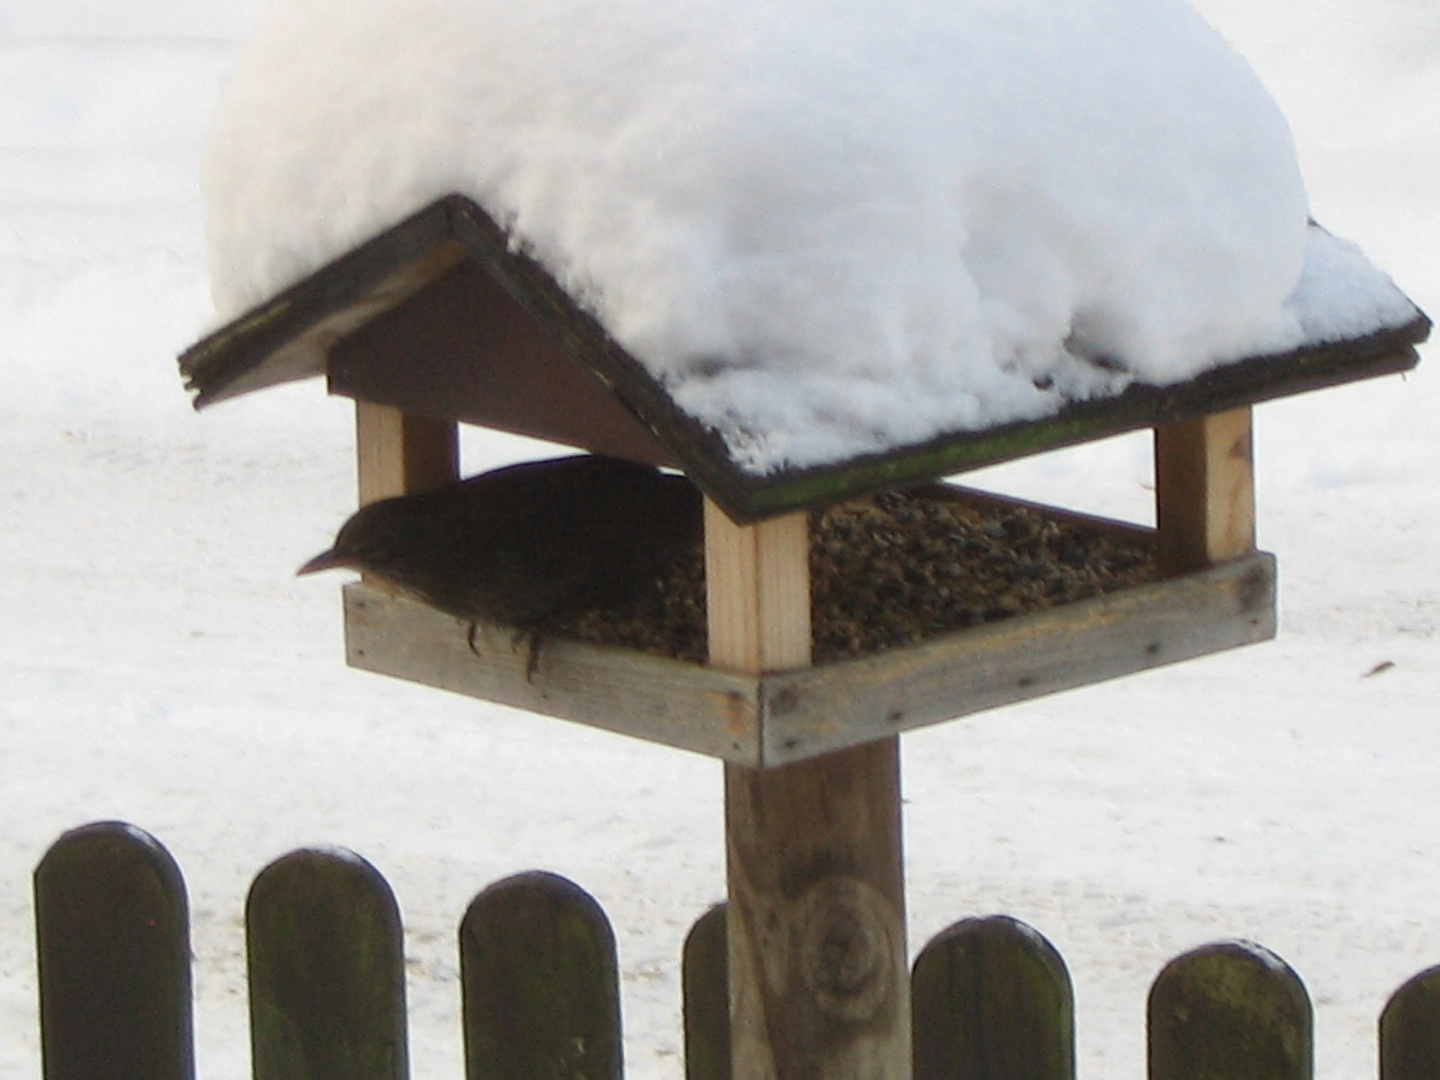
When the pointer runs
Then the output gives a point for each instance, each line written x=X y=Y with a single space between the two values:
x=993 y=1001
x=327 y=971
x=113 y=935
x=1229 y=1011
x=1204 y=491
x=705 y=985
x=539 y=982
x=819 y=986
x=1410 y=1029
x=399 y=453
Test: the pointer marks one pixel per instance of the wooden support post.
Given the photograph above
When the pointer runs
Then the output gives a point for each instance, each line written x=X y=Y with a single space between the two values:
x=1204 y=491
x=819 y=985
x=758 y=592
x=399 y=453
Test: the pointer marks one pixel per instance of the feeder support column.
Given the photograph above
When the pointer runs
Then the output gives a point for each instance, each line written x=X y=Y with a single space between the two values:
x=1204 y=491
x=819 y=980
x=400 y=453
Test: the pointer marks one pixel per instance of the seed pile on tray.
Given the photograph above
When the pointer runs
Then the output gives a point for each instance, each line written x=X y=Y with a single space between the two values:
x=895 y=569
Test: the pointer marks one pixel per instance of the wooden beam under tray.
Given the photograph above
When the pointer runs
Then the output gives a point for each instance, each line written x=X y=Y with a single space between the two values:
x=780 y=717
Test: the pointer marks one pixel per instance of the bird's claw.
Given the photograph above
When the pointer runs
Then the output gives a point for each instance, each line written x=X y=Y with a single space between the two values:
x=532 y=657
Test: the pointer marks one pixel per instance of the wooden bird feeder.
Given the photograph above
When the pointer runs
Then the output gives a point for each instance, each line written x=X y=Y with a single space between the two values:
x=440 y=321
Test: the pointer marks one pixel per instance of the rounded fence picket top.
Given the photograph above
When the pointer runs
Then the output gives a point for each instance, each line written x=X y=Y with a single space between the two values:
x=112 y=929
x=1410 y=1030
x=540 y=981
x=1231 y=1010
x=327 y=970
x=992 y=999
x=705 y=978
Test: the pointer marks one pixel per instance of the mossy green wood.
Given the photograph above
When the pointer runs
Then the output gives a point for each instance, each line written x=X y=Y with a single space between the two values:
x=1140 y=406
x=1410 y=1030
x=114 y=958
x=1230 y=1011
x=705 y=974
x=327 y=971
x=541 y=987
x=992 y=1000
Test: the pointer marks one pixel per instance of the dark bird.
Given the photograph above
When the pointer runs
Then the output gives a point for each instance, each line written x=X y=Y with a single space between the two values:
x=527 y=546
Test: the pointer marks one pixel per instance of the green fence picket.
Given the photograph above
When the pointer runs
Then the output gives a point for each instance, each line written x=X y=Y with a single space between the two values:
x=1230 y=1011
x=1410 y=1030
x=991 y=1000
x=327 y=971
x=705 y=979
x=113 y=940
x=541 y=987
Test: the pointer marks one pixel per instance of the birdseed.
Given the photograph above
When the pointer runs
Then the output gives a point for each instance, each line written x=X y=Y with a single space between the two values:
x=896 y=569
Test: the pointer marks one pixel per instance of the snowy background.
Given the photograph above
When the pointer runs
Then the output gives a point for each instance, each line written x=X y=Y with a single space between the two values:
x=160 y=663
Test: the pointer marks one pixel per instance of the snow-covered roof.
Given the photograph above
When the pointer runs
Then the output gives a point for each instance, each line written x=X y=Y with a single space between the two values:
x=441 y=315
x=815 y=235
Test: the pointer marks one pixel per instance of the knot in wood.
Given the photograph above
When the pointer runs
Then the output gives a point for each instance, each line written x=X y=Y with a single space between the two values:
x=848 y=948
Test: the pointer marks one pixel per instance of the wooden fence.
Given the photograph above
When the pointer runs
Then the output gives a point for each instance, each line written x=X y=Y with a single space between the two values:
x=991 y=997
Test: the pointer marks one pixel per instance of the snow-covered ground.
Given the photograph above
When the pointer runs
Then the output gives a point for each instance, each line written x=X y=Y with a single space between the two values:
x=160 y=664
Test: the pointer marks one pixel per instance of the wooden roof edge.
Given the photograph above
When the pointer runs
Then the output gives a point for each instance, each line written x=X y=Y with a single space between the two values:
x=747 y=497
x=1244 y=382
x=241 y=356
x=288 y=337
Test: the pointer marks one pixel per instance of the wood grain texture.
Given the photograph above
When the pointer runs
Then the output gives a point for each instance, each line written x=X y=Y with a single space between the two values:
x=792 y=715
x=1204 y=490
x=825 y=708
x=819 y=986
x=815 y=921
x=400 y=453
x=710 y=711
x=757 y=593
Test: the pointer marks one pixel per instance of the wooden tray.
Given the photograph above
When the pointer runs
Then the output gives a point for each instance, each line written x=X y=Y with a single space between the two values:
x=788 y=716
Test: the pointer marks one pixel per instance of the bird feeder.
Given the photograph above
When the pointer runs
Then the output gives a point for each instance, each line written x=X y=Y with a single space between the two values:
x=440 y=321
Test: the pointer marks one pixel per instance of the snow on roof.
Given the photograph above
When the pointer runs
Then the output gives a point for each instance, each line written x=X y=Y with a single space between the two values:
x=828 y=229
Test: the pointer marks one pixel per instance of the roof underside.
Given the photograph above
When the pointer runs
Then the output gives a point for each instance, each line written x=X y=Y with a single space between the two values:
x=441 y=316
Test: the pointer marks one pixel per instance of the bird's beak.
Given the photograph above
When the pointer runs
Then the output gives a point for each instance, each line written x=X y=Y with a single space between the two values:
x=326 y=560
